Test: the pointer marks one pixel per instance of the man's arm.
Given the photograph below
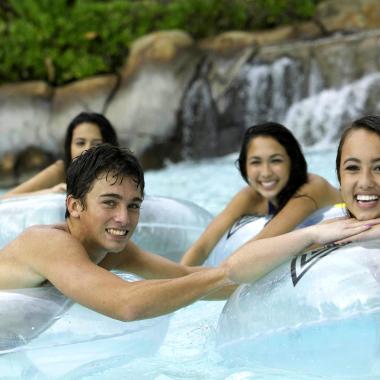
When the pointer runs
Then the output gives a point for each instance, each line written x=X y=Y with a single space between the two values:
x=145 y=264
x=152 y=266
x=76 y=276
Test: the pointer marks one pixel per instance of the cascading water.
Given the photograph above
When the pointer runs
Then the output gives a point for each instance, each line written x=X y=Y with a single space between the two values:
x=318 y=119
x=271 y=89
x=291 y=91
x=199 y=119
x=198 y=116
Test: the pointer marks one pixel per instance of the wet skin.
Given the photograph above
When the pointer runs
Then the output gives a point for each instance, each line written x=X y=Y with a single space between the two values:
x=110 y=215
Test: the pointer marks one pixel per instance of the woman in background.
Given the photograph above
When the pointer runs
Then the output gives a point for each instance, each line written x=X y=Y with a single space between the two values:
x=84 y=131
x=358 y=170
x=278 y=184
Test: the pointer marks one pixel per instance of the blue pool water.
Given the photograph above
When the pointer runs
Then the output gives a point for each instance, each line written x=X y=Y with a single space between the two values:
x=188 y=350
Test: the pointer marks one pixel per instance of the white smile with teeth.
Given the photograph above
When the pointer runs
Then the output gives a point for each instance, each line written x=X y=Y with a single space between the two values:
x=366 y=198
x=268 y=184
x=117 y=232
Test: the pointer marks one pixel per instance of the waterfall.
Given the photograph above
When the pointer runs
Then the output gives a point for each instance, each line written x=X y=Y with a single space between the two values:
x=199 y=120
x=293 y=92
x=271 y=89
x=317 y=120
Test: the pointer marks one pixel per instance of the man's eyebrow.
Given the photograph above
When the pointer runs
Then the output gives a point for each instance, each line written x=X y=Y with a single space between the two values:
x=118 y=196
x=111 y=195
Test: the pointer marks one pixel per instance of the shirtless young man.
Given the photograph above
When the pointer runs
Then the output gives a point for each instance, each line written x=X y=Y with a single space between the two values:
x=105 y=188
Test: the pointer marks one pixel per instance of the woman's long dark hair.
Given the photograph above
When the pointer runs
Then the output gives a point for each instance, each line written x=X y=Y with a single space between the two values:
x=106 y=129
x=298 y=165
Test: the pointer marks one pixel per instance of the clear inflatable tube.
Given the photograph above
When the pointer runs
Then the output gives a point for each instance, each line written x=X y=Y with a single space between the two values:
x=318 y=314
x=43 y=334
x=167 y=226
x=250 y=225
x=25 y=313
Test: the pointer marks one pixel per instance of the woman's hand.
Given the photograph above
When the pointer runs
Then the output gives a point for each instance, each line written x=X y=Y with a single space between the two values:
x=373 y=232
x=345 y=230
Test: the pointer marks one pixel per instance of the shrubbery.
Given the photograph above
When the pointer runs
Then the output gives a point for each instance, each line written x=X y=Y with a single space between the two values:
x=64 y=40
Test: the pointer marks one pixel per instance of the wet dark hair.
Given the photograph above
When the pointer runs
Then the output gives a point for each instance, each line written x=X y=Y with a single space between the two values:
x=104 y=159
x=106 y=129
x=370 y=123
x=298 y=165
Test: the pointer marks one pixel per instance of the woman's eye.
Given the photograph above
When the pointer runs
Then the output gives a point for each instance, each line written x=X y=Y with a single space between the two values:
x=277 y=161
x=110 y=203
x=377 y=168
x=351 y=168
x=80 y=143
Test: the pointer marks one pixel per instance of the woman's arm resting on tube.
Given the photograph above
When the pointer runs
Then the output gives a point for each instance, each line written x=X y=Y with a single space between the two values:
x=257 y=258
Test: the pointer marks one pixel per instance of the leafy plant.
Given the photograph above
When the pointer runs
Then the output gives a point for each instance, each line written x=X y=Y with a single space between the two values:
x=65 y=40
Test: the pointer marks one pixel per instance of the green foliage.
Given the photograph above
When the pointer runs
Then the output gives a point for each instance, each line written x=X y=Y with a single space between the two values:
x=64 y=40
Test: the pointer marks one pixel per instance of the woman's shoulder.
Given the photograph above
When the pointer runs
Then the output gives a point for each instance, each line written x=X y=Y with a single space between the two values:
x=247 y=200
x=317 y=181
x=319 y=189
x=248 y=194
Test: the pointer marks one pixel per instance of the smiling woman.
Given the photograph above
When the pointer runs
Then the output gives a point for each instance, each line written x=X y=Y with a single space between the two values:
x=358 y=168
x=272 y=164
x=87 y=129
x=268 y=168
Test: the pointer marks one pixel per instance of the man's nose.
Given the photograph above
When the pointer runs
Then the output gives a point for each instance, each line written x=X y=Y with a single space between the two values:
x=122 y=215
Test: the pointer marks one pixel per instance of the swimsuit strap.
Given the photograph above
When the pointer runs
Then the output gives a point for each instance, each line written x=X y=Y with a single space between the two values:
x=271 y=208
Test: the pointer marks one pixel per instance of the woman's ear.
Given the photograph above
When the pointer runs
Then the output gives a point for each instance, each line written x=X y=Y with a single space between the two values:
x=74 y=206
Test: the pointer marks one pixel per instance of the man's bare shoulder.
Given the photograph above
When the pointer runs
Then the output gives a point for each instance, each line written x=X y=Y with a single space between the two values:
x=42 y=231
x=42 y=240
x=39 y=252
x=20 y=259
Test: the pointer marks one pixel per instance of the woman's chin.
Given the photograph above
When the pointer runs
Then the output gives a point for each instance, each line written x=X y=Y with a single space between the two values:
x=367 y=215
